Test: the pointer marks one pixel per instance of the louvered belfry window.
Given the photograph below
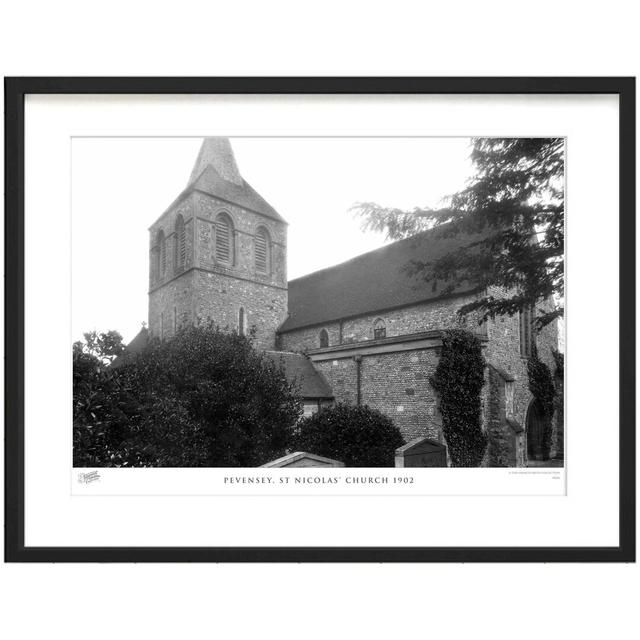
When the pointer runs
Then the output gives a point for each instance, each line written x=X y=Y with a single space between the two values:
x=181 y=243
x=262 y=251
x=324 y=338
x=162 y=255
x=224 y=246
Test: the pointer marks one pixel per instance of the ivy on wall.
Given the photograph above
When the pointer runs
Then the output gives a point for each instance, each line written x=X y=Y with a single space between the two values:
x=559 y=402
x=458 y=380
x=544 y=393
x=559 y=360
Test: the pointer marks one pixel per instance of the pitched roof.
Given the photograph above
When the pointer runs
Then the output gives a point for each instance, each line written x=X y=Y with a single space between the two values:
x=216 y=173
x=137 y=345
x=243 y=194
x=298 y=367
x=217 y=153
x=303 y=459
x=371 y=282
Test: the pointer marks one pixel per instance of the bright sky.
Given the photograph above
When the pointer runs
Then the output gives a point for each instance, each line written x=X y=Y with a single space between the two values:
x=121 y=185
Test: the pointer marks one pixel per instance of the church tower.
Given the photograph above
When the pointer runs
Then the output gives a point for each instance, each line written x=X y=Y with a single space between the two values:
x=218 y=253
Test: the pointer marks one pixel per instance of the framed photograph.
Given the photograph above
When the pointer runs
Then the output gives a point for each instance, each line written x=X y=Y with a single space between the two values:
x=320 y=319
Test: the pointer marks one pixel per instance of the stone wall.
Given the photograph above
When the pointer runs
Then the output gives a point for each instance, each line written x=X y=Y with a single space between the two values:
x=397 y=384
x=503 y=351
x=167 y=224
x=505 y=436
x=246 y=224
x=427 y=316
x=218 y=300
x=210 y=290
x=171 y=305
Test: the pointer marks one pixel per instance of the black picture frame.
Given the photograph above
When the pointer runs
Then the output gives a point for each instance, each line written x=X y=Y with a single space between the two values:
x=15 y=91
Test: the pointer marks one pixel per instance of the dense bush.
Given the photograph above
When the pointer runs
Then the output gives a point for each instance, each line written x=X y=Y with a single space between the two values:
x=458 y=380
x=358 y=436
x=202 y=398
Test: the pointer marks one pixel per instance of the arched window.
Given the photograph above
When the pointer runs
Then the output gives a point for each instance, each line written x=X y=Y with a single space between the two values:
x=224 y=239
x=161 y=255
x=263 y=251
x=379 y=329
x=180 y=243
x=526 y=332
x=324 y=338
x=241 y=321
x=155 y=261
x=162 y=242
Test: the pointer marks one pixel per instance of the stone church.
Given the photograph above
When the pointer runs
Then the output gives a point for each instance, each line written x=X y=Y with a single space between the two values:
x=361 y=332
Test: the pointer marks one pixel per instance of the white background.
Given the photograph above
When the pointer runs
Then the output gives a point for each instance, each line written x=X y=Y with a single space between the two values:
x=489 y=38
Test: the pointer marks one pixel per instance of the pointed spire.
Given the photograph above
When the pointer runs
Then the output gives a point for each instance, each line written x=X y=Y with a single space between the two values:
x=218 y=153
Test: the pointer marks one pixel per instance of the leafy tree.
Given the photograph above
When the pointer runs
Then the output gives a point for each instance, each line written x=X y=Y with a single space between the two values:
x=202 y=398
x=106 y=347
x=458 y=380
x=511 y=214
x=359 y=436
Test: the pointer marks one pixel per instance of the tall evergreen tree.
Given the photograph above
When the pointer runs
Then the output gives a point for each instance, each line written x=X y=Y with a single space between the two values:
x=512 y=215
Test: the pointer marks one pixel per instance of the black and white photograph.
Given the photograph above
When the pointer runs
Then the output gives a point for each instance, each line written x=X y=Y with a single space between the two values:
x=320 y=302
x=295 y=327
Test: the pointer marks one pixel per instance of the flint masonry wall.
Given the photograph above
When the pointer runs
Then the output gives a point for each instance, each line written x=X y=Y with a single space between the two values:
x=171 y=305
x=397 y=384
x=170 y=292
x=503 y=351
x=427 y=316
x=219 y=300
x=210 y=290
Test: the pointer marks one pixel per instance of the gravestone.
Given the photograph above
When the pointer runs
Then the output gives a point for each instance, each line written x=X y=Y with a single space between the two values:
x=303 y=459
x=422 y=452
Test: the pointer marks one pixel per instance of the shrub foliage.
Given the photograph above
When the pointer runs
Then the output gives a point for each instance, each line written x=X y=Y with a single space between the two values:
x=359 y=436
x=202 y=398
x=458 y=380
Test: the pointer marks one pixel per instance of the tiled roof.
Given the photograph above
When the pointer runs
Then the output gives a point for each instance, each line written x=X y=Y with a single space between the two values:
x=370 y=282
x=297 y=366
x=243 y=194
x=216 y=173
x=218 y=153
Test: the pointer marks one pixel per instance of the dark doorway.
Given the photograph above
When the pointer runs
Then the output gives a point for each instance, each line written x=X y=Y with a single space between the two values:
x=535 y=432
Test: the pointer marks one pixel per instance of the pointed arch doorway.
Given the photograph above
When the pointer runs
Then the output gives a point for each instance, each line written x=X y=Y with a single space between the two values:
x=535 y=432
